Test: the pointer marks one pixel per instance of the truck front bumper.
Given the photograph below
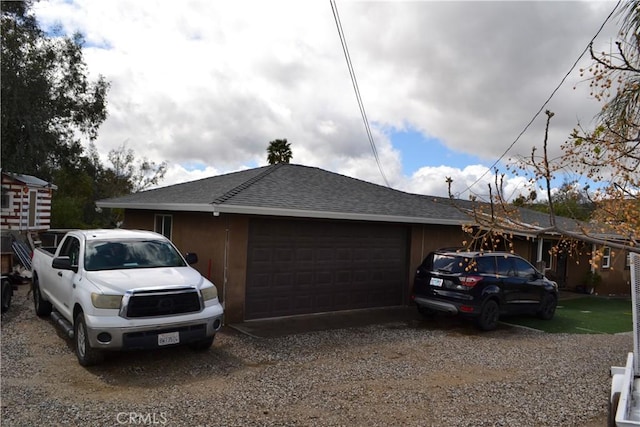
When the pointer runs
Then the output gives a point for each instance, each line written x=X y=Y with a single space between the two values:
x=117 y=333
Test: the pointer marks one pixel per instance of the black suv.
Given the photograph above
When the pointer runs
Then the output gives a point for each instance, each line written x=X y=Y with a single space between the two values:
x=482 y=285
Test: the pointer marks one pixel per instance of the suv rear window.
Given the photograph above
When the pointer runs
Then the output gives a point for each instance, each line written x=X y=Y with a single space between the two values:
x=460 y=264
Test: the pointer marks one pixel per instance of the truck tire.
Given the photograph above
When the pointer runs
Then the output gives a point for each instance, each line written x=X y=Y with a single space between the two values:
x=42 y=306
x=7 y=293
x=613 y=408
x=87 y=356
x=489 y=315
x=202 y=345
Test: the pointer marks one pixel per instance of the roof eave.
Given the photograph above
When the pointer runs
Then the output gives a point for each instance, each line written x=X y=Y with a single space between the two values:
x=267 y=211
x=303 y=213
x=183 y=207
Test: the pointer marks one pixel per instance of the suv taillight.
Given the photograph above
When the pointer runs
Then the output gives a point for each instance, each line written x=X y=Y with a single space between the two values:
x=470 y=281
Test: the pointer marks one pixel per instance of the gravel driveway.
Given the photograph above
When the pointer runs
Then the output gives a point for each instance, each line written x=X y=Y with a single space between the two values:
x=400 y=373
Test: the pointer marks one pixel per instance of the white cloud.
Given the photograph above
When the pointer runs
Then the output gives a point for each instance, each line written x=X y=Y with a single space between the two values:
x=177 y=174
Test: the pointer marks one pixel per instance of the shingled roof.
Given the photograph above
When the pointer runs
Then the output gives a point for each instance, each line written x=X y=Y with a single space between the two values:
x=301 y=191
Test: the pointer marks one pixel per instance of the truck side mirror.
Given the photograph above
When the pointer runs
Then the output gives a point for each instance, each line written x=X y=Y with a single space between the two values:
x=191 y=258
x=63 y=263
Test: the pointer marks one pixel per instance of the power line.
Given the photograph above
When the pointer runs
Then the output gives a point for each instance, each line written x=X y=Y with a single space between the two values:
x=548 y=99
x=352 y=73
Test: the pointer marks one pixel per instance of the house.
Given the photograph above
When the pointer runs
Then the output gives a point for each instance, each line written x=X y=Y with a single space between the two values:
x=25 y=203
x=289 y=239
x=25 y=208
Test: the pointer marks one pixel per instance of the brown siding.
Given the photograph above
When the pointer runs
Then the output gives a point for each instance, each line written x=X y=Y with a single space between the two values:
x=426 y=238
x=526 y=248
x=616 y=280
x=577 y=268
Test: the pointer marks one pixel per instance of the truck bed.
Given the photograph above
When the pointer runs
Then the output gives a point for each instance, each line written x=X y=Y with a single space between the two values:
x=51 y=250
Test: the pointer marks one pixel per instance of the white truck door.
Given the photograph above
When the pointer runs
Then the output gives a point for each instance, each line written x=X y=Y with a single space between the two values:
x=63 y=281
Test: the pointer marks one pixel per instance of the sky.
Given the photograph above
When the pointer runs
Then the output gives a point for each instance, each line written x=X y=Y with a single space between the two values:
x=447 y=87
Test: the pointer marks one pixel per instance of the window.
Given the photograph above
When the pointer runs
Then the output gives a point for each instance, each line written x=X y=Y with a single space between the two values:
x=71 y=248
x=486 y=264
x=123 y=254
x=606 y=257
x=505 y=266
x=164 y=225
x=6 y=200
x=524 y=269
x=449 y=263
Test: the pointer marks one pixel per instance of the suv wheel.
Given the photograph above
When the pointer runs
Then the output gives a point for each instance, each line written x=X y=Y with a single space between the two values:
x=489 y=314
x=547 y=307
x=426 y=312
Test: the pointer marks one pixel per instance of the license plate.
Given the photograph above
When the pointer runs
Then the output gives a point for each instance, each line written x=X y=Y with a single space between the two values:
x=169 y=338
x=436 y=281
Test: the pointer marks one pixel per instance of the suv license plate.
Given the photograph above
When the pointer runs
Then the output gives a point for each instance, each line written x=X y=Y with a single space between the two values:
x=169 y=338
x=436 y=281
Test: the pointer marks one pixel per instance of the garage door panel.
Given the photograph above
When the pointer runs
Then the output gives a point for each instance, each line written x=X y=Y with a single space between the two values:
x=302 y=302
x=283 y=280
x=323 y=302
x=323 y=278
x=297 y=267
x=304 y=278
x=281 y=304
x=262 y=281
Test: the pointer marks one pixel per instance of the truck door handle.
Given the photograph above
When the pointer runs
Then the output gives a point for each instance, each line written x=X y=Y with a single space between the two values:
x=60 y=273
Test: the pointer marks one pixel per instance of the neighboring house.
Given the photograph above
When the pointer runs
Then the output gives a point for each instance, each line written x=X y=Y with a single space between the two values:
x=25 y=203
x=288 y=239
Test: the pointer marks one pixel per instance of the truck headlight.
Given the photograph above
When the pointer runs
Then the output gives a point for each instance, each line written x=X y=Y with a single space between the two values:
x=106 y=301
x=209 y=293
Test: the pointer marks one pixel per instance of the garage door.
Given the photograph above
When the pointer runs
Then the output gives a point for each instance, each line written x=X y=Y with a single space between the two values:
x=301 y=267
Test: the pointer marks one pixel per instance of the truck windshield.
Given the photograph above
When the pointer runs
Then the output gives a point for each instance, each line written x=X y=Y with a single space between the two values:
x=110 y=255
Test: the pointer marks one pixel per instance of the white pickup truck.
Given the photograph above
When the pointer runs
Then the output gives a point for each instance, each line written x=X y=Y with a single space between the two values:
x=124 y=290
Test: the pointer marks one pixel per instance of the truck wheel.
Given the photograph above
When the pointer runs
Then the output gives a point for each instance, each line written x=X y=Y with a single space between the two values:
x=7 y=293
x=42 y=306
x=613 y=408
x=87 y=356
x=202 y=345
x=489 y=314
x=547 y=307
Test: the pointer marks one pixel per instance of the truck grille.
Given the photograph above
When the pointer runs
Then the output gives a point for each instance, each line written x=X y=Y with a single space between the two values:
x=167 y=302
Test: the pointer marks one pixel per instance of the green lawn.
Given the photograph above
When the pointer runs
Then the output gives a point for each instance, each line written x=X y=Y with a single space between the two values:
x=583 y=315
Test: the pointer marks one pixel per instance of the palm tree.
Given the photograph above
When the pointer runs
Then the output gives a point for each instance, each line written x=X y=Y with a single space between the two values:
x=279 y=151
